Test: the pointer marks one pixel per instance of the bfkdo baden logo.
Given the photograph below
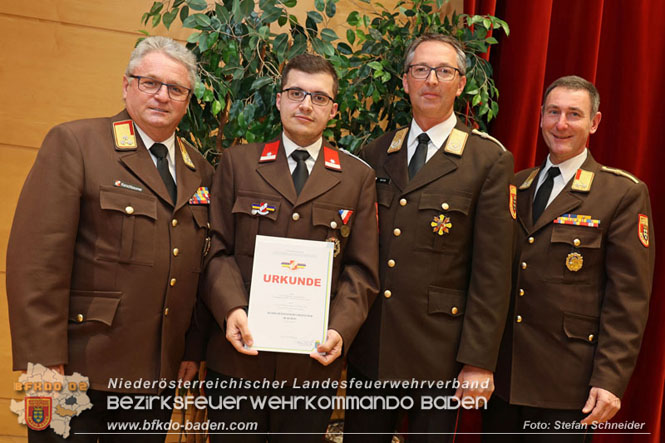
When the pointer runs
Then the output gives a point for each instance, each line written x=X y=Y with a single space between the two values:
x=51 y=399
x=38 y=412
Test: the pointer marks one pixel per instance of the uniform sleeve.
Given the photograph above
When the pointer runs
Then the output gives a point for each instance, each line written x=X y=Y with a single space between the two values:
x=358 y=283
x=40 y=253
x=488 y=295
x=223 y=287
x=629 y=266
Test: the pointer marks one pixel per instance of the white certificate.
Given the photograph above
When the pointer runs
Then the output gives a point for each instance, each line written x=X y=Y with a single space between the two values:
x=290 y=294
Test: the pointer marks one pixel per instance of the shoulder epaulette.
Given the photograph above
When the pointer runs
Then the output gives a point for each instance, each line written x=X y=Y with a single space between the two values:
x=621 y=172
x=355 y=156
x=486 y=136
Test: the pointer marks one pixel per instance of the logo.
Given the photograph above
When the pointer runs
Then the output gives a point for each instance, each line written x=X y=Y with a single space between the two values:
x=293 y=265
x=643 y=230
x=262 y=208
x=38 y=412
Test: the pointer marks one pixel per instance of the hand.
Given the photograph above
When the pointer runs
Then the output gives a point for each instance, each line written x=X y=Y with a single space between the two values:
x=475 y=378
x=602 y=404
x=328 y=352
x=237 y=332
x=188 y=370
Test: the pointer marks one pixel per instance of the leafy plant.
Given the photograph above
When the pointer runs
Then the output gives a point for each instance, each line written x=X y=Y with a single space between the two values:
x=242 y=49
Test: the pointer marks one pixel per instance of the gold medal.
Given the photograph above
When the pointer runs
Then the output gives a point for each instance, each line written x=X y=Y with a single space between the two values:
x=335 y=241
x=345 y=230
x=574 y=261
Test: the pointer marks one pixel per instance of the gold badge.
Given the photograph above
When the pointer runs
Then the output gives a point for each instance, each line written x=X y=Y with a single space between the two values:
x=398 y=139
x=574 y=261
x=529 y=179
x=185 y=155
x=513 y=202
x=336 y=248
x=441 y=224
x=582 y=182
x=125 y=139
x=345 y=230
x=456 y=142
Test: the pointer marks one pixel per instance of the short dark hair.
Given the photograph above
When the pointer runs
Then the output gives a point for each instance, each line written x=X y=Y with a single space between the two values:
x=311 y=64
x=442 y=38
x=576 y=83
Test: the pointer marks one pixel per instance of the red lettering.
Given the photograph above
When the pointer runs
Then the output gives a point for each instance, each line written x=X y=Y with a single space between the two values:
x=284 y=280
x=266 y=278
x=275 y=278
x=317 y=282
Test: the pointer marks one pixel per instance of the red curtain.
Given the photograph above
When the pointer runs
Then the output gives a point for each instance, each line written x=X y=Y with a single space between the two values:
x=618 y=46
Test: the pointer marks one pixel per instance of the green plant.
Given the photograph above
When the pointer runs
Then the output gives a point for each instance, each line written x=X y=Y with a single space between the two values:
x=241 y=50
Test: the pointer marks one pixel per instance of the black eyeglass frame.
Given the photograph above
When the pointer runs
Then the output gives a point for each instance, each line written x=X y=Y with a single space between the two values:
x=168 y=87
x=311 y=94
x=436 y=71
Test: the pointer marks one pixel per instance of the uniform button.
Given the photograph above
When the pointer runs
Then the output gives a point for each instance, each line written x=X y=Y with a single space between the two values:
x=577 y=242
x=172 y=282
x=391 y=263
x=295 y=216
x=454 y=310
x=523 y=265
x=166 y=312
x=402 y=202
x=519 y=319
x=333 y=224
x=590 y=337
x=387 y=293
x=445 y=206
x=397 y=232
x=521 y=292
x=174 y=222
x=129 y=210
x=79 y=318
x=531 y=240
x=176 y=251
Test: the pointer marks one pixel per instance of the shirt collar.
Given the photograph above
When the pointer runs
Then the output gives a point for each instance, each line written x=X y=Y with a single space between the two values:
x=313 y=149
x=437 y=133
x=148 y=142
x=569 y=167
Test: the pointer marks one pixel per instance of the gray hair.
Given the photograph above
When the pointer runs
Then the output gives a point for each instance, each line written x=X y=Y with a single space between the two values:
x=576 y=84
x=457 y=46
x=168 y=47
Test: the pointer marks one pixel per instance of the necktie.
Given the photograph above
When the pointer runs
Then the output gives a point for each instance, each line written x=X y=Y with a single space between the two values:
x=418 y=159
x=543 y=194
x=300 y=174
x=160 y=151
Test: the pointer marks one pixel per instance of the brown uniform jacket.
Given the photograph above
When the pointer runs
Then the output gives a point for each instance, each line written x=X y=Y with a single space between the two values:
x=242 y=180
x=443 y=298
x=95 y=242
x=569 y=330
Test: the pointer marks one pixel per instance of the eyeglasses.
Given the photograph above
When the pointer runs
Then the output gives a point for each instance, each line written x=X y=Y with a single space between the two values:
x=298 y=95
x=151 y=86
x=443 y=73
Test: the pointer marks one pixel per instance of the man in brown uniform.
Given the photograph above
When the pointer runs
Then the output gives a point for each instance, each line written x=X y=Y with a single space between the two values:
x=583 y=272
x=445 y=245
x=309 y=190
x=106 y=247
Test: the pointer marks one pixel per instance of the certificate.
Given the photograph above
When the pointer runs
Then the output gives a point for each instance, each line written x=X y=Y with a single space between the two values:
x=290 y=294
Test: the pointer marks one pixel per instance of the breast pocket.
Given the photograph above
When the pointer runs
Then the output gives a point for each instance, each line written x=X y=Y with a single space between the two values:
x=443 y=221
x=127 y=232
x=328 y=222
x=575 y=254
x=254 y=214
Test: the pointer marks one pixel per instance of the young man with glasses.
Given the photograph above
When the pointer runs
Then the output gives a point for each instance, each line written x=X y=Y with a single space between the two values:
x=309 y=190
x=445 y=245
x=107 y=242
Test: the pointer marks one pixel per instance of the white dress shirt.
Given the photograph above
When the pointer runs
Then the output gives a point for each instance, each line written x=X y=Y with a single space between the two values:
x=437 y=136
x=313 y=149
x=568 y=169
x=170 y=147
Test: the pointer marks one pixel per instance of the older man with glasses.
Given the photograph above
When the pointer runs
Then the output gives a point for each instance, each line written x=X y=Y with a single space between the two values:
x=445 y=243
x=106 y=247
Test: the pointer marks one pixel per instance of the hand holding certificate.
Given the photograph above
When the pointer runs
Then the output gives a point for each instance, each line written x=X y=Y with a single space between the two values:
x=290 y=298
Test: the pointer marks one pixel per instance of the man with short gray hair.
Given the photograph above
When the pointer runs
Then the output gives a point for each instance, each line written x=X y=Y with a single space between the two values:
x=107 y=243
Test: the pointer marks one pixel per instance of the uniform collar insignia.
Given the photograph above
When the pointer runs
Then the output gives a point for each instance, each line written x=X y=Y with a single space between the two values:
x=582 y=181
x=398 y=139
x=331 y=159
x=185 y=155
x=269 y=153
x=125 y=136
x=527 y=183
x=456 y=142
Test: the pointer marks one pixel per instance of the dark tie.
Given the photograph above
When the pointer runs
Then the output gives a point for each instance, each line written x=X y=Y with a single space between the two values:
x=160 y=151
x=419 y=157
x=543 y=194
x=300 y=174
